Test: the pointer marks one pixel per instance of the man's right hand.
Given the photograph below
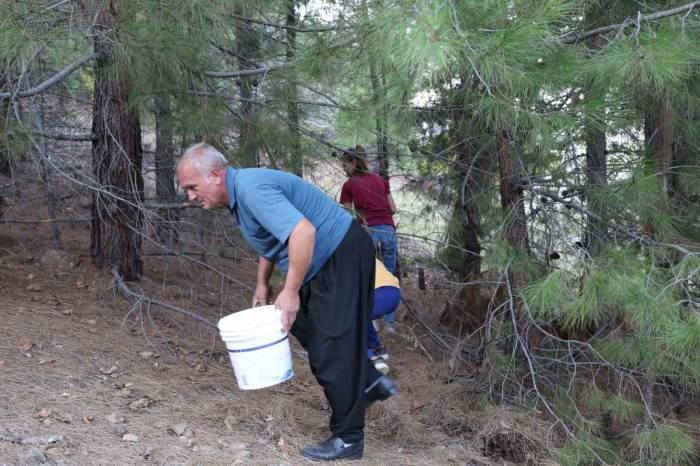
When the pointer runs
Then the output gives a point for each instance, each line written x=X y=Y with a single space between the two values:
x=261 y=296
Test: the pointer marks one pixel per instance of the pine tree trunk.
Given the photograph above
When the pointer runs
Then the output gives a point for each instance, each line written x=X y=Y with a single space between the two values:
x=296 y=157
x=47 y=177
x=4 y=108
x=686 y=156
x=666 y=146
x=165 y=169
x=380 y=123
x=247 y=49
x=596 y=179
x=596 y=142
x=513 y=206
x=116 y=160
x=512 y=200
x=658 y=133
x=470 y=225
x=382 y=150
x=470 y=169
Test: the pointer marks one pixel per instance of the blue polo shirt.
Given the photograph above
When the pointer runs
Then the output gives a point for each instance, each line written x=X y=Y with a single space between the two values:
x=269 y=204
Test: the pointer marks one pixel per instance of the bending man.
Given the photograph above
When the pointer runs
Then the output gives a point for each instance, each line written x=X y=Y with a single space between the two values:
x=327 y=296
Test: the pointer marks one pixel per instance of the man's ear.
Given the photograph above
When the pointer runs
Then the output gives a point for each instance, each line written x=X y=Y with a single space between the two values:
x=216 y=173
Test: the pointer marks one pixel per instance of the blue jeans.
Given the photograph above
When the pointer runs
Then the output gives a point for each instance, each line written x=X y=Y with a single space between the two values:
x=384 y=237
x=386 y=300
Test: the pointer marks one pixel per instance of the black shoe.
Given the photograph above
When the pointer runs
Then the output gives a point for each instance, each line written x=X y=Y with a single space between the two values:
x=334 y=449
x=381 y=389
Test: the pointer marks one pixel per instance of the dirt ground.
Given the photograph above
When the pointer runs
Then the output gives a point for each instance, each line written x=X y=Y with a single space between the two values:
x=122 y=383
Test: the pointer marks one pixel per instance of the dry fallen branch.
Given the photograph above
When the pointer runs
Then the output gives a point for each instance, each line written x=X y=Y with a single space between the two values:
x=22 y=440
x=121 y=285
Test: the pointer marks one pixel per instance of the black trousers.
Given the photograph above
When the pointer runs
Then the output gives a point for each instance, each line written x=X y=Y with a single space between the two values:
x=331 y=325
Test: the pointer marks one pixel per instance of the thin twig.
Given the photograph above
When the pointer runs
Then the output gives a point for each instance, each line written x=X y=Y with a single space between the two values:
x=251 y=72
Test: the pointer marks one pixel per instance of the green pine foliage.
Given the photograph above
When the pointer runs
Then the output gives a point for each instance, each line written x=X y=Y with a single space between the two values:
x=547 y=298
x=665 y=445
x=585 y=451
x=441 y=79
x=602 y=401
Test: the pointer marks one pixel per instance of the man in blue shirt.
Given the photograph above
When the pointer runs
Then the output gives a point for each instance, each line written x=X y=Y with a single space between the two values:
x=328 y=291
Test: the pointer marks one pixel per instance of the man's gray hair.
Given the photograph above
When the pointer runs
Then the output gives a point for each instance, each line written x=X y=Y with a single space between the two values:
x=204 y=158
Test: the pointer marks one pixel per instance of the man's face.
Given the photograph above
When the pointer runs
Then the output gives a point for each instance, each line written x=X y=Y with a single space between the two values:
x=207 y=190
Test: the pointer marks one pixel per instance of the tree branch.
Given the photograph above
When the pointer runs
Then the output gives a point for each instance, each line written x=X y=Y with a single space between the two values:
x=66 y=137
x=643 y=240
x=52 y=81
x=251 y=72
x=628 y=22
x=281 y=26
x=270 y=100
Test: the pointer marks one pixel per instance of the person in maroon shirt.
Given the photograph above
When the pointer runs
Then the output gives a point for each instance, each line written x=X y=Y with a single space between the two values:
x=369 y=196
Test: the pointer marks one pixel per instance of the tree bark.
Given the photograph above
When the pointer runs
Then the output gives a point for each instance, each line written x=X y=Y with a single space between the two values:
x=686 y=156
x=5 y=168
x=247 y=47
x=165 y=169
x=513 y=205
x=116 y=159
x=594 y=137
x=470 y=173
x=295 y=156
x=512 y=199
x=596 y=179
x=658 y=133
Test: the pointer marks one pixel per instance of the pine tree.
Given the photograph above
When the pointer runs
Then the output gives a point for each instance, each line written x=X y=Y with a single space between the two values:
x=116 y=152
x=561 y=136
x=537 y=81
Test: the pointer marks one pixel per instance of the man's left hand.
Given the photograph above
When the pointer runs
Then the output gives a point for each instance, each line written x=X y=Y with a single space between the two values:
x=288 y=302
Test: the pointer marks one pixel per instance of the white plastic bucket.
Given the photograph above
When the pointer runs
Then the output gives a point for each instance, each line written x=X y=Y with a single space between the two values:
x=258 y=348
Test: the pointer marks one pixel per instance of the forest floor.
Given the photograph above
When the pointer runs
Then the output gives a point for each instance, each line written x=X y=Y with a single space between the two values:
x=126 y=384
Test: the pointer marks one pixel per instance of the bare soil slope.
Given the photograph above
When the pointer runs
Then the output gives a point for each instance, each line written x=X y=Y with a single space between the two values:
x=123 y=383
